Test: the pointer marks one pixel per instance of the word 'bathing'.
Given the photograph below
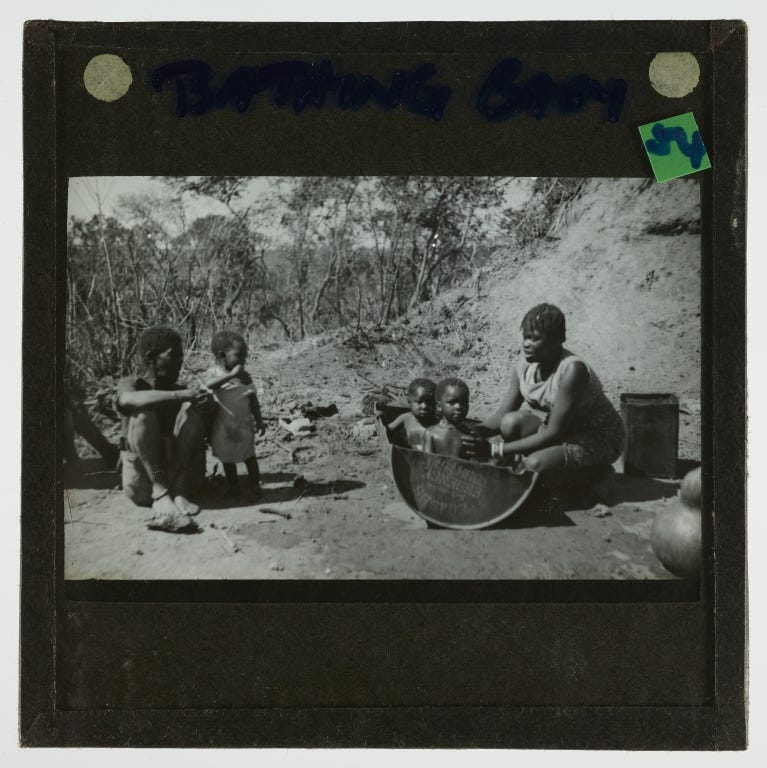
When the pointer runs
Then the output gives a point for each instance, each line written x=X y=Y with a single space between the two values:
x=299 y=84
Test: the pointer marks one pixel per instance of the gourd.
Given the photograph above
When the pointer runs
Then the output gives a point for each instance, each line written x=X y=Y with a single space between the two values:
x=676 y=532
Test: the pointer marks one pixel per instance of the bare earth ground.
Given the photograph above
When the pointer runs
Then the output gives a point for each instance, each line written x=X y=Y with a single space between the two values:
x=607 y=267
x=351 y=525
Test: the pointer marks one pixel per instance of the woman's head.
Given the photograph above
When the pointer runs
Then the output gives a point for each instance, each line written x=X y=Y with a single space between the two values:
x=543 y=331
x=229 y=348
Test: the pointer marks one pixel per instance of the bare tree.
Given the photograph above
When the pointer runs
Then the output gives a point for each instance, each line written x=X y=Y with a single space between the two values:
x=304 y=255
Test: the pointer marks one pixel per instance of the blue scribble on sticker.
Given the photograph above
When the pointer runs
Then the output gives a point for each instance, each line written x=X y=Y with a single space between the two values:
x=674 y=146
x=660 y=144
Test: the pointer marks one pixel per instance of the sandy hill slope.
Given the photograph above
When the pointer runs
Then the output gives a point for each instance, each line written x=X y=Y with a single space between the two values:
x=622 y=260
x=629 y=289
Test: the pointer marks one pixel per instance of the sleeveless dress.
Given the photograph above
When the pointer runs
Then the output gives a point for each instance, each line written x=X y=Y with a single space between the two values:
x=595 y=434
x=232 y=436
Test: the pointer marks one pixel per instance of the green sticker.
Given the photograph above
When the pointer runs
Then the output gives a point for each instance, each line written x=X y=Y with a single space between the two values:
x=674 y=146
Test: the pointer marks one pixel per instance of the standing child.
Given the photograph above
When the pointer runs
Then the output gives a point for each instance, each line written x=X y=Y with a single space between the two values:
x=232 y=435
x=446 y=437
x=420 y=394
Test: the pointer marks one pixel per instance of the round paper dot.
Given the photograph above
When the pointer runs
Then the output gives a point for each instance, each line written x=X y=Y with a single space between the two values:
x=674 y=74
x=107 y=77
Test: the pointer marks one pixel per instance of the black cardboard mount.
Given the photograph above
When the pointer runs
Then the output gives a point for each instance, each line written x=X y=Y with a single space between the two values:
x=396 y=664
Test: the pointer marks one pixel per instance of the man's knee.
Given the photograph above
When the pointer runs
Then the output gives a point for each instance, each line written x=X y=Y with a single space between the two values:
x=143 y=417
x=142 y=422
x=142 y=428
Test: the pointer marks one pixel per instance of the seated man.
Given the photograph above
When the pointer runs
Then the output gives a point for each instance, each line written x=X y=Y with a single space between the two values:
x=163 y=430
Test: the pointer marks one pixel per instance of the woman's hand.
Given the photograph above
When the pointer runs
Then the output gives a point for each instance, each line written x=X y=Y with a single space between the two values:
x=260 y=428
x=484 y=430
x=475 y=446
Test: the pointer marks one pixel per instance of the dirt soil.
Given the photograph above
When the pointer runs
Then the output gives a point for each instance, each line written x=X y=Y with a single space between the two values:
x=624 y=256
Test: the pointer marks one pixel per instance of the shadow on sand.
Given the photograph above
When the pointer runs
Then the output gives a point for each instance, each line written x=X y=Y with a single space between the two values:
x=214 y=498
x=627 y=489
x=91 y=473
x=554 y=496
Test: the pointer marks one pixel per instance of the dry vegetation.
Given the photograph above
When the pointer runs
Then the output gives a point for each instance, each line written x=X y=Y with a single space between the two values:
x=309 y=256
x=620 y=257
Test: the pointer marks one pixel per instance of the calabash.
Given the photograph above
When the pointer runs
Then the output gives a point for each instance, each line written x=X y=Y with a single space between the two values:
x=690 y=490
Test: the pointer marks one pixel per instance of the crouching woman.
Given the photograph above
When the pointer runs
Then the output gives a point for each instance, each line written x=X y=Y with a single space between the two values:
x=555 y=413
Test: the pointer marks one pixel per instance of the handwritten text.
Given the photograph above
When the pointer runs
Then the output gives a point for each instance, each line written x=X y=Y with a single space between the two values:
x=299 y=84
x=660 y=144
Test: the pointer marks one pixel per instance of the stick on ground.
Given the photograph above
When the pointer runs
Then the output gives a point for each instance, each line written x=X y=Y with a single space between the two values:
x=235 y=547
x=291 y=451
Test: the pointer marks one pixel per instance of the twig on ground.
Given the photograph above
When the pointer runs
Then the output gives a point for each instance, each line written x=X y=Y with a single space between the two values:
x=235 y=547
x=291 y=451
x=69 y=503
x=270 y=511
x=369 y=381
x=388 y=390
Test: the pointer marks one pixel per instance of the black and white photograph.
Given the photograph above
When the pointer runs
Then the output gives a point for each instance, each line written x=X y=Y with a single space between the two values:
x=383 y=385
x=382 y=377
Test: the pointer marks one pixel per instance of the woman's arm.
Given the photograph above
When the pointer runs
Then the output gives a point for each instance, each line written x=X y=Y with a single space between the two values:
x=574 y=381
x=511 y=402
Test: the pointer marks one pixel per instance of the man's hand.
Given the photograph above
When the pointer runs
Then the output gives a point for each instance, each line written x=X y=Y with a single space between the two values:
x=261 y=427
x=201 y=400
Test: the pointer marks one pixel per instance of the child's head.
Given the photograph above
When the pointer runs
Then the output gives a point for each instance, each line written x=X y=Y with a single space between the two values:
x=453 y=396
x=160 y=353
x=543 y=331
x=420 y=394
x=229 y=348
